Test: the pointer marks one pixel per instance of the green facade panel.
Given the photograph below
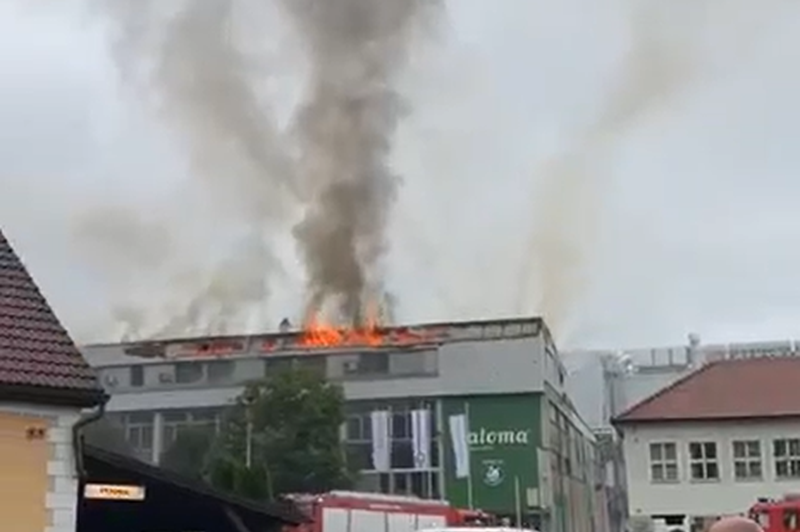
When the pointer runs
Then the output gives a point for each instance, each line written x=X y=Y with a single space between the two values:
x=504 y=438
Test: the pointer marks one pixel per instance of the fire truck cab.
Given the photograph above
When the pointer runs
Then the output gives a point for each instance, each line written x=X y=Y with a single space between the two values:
x=782 y=515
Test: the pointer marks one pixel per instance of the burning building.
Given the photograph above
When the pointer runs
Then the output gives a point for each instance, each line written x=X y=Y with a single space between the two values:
x=525 y=444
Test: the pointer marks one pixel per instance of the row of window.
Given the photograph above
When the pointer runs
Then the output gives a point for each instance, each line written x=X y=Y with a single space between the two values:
x=222 y=371
x=747 y=460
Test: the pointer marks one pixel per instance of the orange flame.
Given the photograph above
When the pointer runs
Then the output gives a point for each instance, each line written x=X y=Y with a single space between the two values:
x=318 y=334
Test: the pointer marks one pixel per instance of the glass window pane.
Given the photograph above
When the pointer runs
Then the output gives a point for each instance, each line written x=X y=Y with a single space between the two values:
x=712 y=471
x=779 y=448
x=670 y=451
x=740 y=470
x=671 y=471
x=710 y=450
x=754 y=449
x=657 y=472
x=353 y=428
x=695 y=451
x=656 y=453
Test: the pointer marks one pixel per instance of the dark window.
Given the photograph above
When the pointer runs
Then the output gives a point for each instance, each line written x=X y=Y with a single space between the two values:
x=353 y=428
x=359 y=456
x=385 y=481
x=188 y=372
x=220 y=371
x=373 y=363
x=401 y=484
x=787 y=458
x=277 y=365
x=402 y=455
x=401 y=425
x=791 y=519
x=313 y=363
x=137 y=376
x=419 y=484
x=175 y=416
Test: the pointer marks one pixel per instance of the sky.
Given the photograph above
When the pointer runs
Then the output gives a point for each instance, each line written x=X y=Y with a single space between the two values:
x=693 y=221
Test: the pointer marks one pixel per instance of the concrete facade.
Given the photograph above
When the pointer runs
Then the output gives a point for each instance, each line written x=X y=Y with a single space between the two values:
x=482 y=363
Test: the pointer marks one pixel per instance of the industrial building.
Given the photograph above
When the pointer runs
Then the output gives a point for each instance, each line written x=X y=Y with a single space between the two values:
x=714 y=442
x=605 y=383
x=526 y=447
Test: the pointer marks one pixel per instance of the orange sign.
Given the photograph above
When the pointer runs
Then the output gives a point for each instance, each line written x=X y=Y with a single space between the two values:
x=113 y=492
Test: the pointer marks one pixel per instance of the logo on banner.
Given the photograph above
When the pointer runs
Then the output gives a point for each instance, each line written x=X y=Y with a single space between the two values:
x=493 y=474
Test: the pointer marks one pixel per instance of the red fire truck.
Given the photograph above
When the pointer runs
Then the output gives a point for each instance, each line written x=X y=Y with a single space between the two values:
x=781 y=515
x=349 y=511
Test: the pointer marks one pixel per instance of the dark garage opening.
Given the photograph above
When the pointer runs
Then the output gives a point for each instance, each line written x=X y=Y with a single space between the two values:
x=172 y=503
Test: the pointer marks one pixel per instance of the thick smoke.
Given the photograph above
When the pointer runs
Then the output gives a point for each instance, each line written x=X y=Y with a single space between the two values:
x=201 y=70
x=345 y=127
x=201 y=65
x=568 y=207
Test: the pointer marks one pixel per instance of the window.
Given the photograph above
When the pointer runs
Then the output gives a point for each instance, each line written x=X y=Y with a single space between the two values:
x=275 y=365
x=373 y=363
x=358 y=428
x=787 y=458
x=312 y=363
x=703 y=462
x=663 y=462
x=137 y=376
x=188 y=372
x=747 y=460
x=791 y=519
x=220 y=371
x=401 y=425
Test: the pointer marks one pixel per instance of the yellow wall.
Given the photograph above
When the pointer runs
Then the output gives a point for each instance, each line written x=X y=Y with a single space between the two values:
x=23 y=473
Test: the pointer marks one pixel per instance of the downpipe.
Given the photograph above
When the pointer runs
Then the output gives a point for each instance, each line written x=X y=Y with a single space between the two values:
x=77 y=437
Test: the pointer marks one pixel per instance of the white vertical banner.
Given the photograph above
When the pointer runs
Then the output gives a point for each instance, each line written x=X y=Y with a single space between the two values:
x=381 y=446
x=421 y=438
x=459 y=439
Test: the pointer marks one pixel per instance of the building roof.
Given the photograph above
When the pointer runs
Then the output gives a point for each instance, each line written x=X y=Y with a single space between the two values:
x=756 y=388
x=284 y=511
x=39 y=362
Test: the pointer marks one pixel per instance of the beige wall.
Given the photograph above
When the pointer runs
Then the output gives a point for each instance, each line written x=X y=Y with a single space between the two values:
x=38 y=484
x=23 y=472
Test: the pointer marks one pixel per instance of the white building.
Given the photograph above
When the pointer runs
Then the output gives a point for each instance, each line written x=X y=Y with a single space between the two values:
x=713 y=442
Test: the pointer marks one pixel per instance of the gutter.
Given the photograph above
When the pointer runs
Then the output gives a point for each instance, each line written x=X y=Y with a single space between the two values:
x=77 y=437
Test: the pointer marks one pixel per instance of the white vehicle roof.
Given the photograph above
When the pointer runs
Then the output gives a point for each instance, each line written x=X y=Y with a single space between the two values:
x=476 y=529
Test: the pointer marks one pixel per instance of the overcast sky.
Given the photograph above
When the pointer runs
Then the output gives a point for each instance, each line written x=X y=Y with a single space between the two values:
x=697 y=213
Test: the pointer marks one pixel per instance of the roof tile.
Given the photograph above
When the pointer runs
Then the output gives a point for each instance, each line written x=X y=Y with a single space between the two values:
x=35 y=349
x=727 y=389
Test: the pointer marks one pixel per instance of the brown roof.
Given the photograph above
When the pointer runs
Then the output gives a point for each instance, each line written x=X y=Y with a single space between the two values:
x=728 y=389
x=39 y=362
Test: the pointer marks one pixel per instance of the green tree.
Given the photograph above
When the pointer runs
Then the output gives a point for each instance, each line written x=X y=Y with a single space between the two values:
x=291 y=422
x=190 y=452
x=282 y=436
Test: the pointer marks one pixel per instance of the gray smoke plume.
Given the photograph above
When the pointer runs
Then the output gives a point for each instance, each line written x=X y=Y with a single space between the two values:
x=202 y=71
x=660 y=64
x=569 y=205
x=356 y=50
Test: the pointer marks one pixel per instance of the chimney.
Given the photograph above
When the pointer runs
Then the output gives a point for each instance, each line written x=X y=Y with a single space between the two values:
x=285 y=326
x=693 y=350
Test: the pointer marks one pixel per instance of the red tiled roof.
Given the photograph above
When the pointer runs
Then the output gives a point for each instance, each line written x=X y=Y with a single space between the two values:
x=728 y=389
x=38 y=360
